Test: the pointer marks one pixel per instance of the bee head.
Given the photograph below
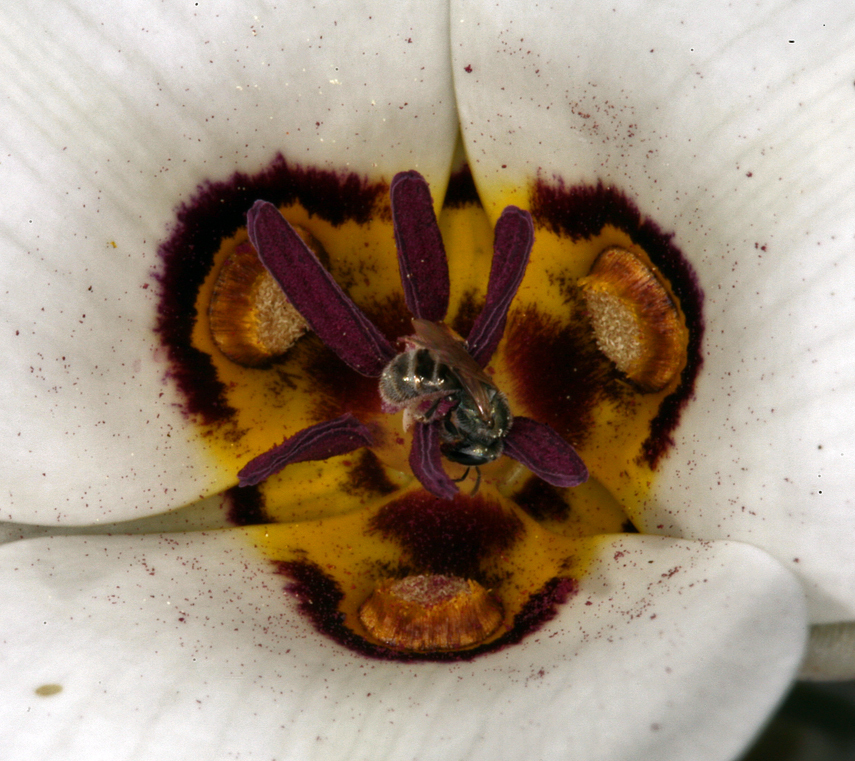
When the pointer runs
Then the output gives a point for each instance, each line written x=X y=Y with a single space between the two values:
x=468 y=439
x=471 y=453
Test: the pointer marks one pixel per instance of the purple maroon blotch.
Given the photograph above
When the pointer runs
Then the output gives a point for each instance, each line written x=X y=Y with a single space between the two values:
x=345 y=329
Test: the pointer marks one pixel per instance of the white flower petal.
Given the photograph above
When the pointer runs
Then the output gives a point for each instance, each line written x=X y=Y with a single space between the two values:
x=669 y=650
x=731 y=126
x=112 y=117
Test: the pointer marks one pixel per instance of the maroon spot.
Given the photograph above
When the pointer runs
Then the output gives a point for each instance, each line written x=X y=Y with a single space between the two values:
x=461 y=190
x=392 y=317
x=449 y=536
x=246 y=506
x=541 y=607
x=542 y=501
x=367 y=476
x=559 y=374
x=336 y=389
x=470 y=306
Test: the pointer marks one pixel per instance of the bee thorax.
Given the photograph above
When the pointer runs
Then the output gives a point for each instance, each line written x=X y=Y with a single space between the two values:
x=436 y=381
x=415 y=375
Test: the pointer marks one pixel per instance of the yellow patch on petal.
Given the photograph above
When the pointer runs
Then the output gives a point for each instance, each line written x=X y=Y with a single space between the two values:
x=307 y=491
x=549 y=312
x=354 y=554
x=468 y=238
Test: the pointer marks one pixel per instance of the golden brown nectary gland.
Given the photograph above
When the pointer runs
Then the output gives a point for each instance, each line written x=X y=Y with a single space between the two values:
x=430 y=612
x=637 y=324
x=251 y=320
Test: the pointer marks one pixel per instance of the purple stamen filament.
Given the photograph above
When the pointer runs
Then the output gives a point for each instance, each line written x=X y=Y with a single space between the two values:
x=347 y=331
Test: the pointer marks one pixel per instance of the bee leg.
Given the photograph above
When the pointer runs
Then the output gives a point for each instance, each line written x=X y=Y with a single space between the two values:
x=463 y=477
x=477 y=481
x=428 y=416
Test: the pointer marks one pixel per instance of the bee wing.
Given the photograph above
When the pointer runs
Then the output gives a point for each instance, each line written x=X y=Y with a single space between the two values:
x=440 y=339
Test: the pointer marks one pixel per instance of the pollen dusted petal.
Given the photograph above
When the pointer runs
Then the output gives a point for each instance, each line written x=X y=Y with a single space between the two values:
x=431 y=612
x=421 y=253
x=545 y=453
x=339 y=323
x=318 y=442
x=511 y=249
x=426 y=462
x=636 y=322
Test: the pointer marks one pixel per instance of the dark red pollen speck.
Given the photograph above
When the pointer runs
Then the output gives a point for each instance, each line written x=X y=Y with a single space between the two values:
x=447 y=536
x=217 y=212
x=319 y=598
x=581 y=212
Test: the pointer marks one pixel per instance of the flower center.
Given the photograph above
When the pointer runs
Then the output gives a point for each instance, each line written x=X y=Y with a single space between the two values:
x=361 y=504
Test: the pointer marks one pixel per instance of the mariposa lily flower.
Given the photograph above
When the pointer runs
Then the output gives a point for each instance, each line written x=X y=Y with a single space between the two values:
x=676 y=642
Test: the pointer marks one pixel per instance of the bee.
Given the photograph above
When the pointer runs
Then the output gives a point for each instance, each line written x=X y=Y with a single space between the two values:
x=436 y=380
